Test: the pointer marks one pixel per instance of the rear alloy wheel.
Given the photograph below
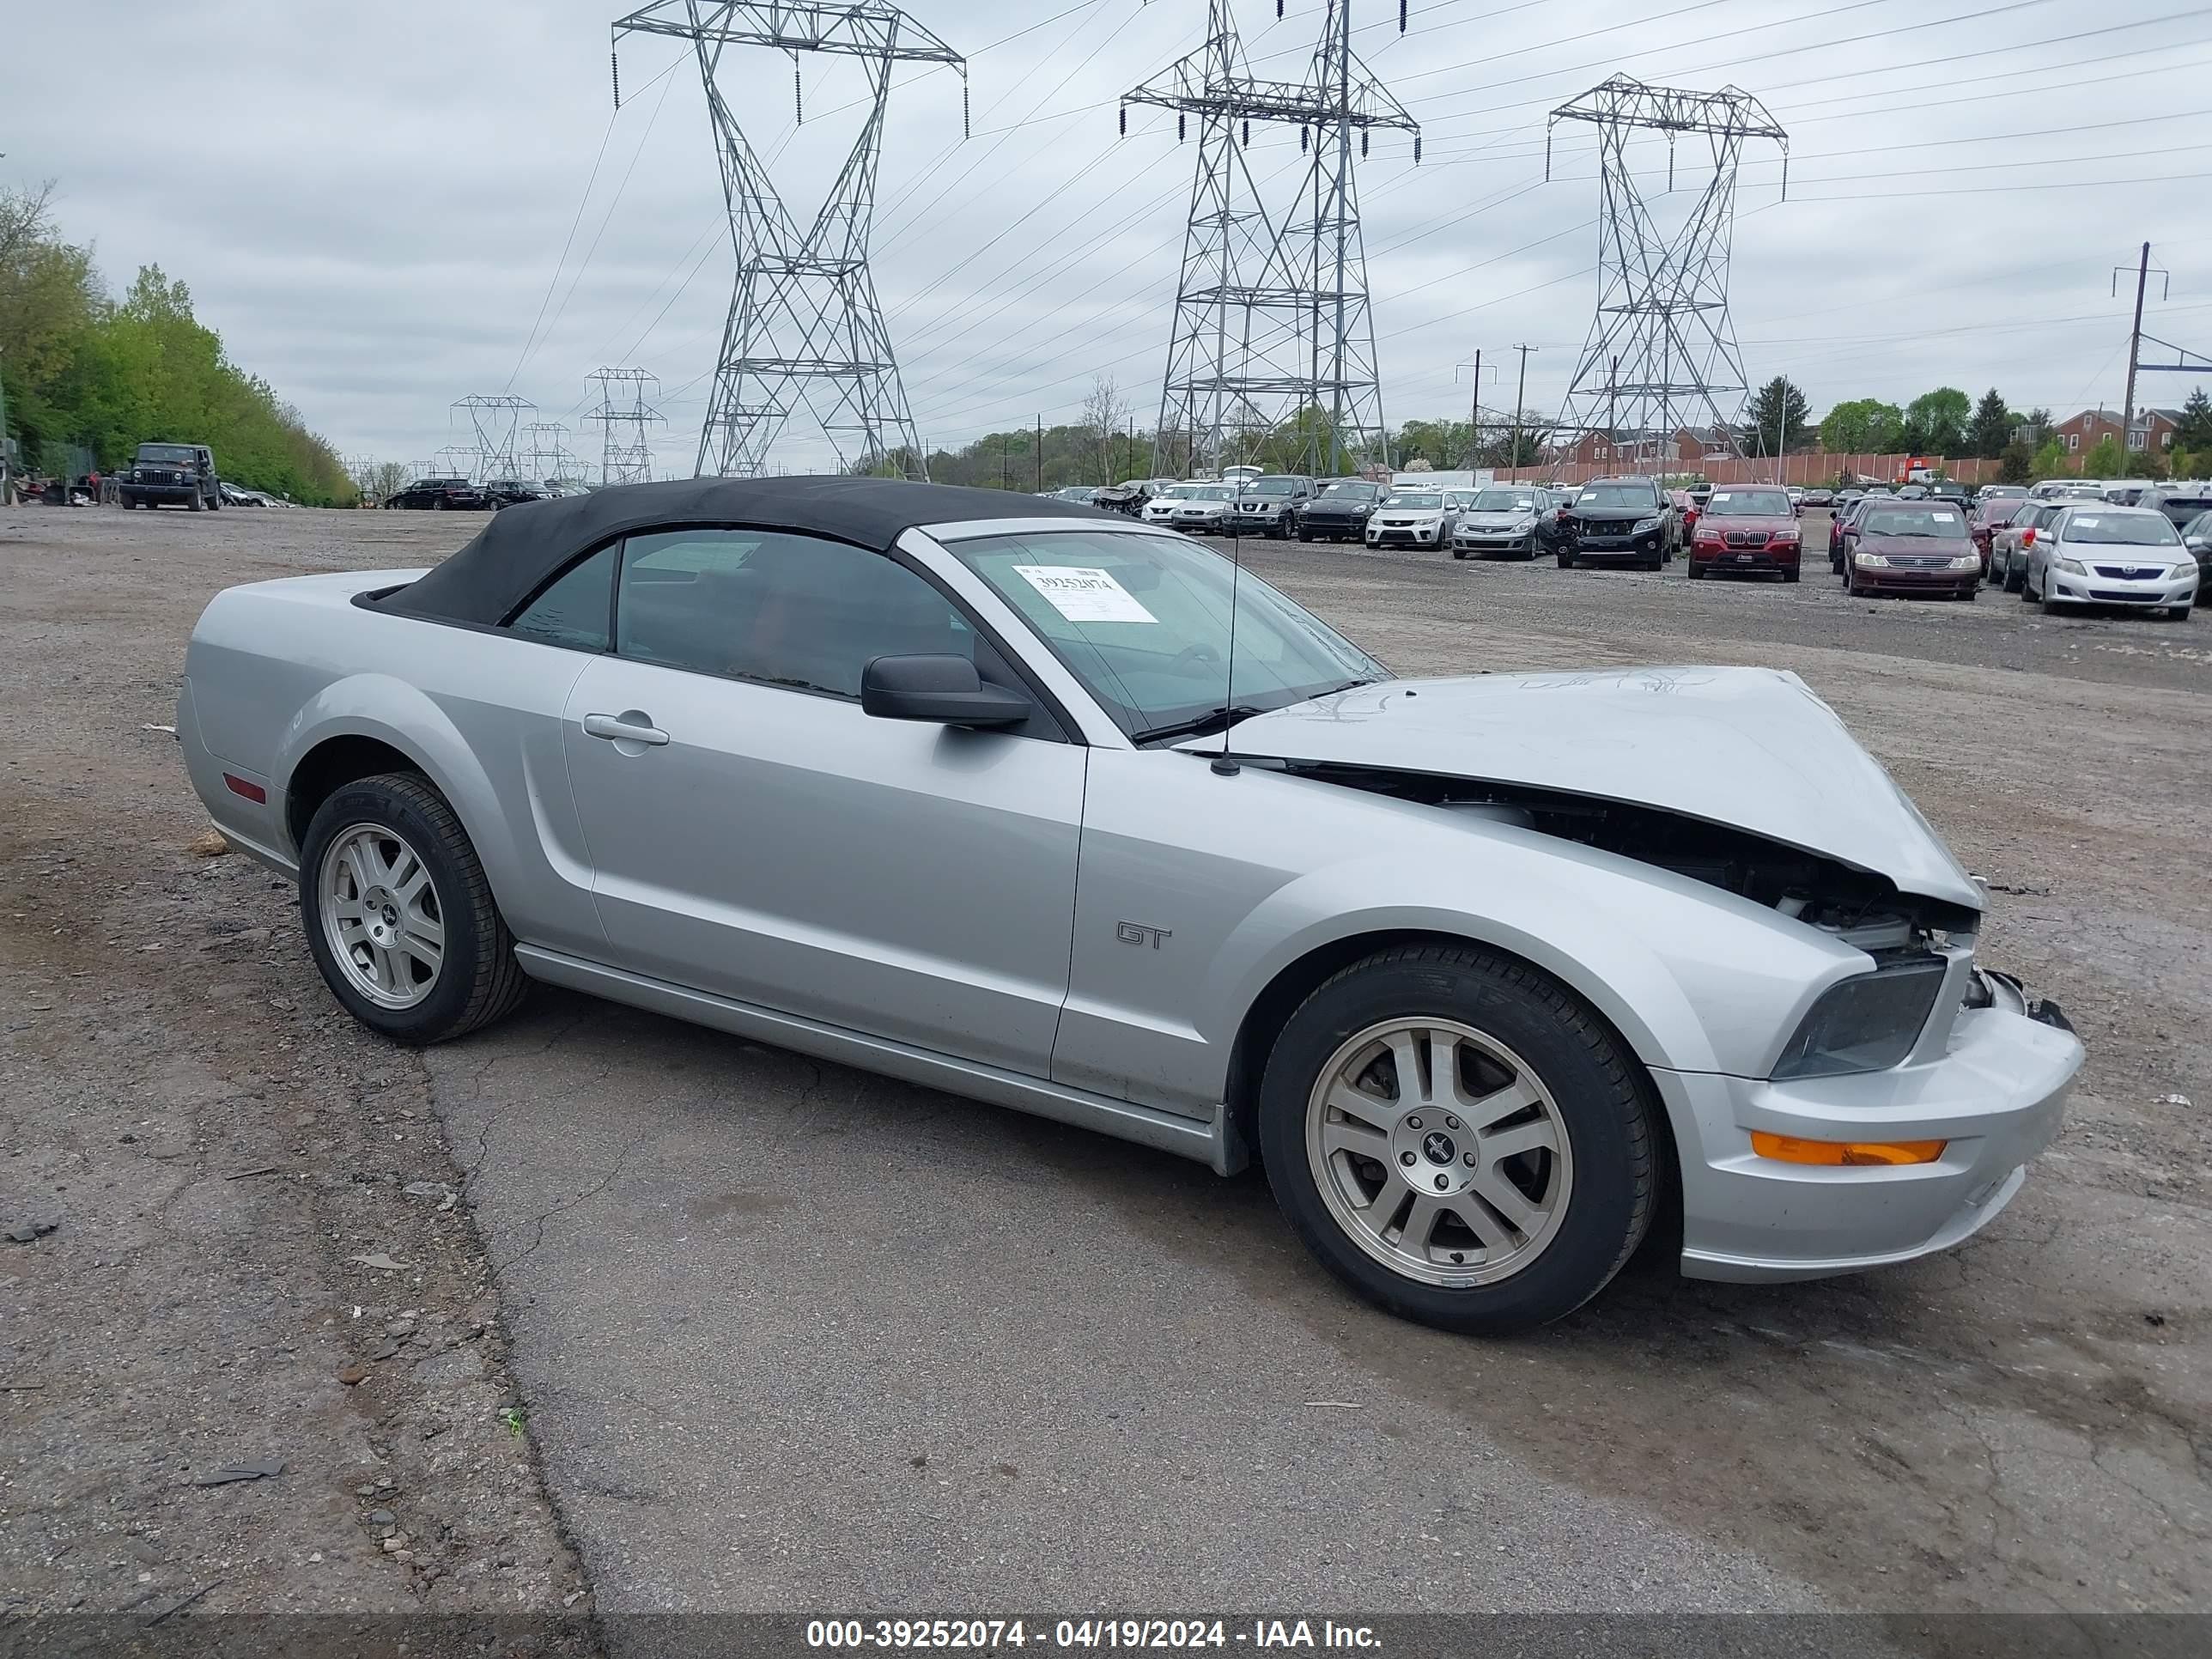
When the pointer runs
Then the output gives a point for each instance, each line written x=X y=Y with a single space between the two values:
x=399 y=915
x=1459 y=1138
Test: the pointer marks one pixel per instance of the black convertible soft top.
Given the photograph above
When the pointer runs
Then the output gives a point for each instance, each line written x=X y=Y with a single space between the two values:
x=513 y=555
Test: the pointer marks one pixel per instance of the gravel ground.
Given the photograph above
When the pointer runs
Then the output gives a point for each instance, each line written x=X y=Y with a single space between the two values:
x=781 y=1335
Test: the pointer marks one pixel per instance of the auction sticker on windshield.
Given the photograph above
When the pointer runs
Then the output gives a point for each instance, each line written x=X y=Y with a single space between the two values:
x=1085 y=595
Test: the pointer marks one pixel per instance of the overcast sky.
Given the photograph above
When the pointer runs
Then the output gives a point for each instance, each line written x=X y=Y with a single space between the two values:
x=383 y=207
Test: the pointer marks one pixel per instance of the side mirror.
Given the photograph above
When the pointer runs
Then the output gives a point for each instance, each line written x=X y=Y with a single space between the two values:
x=945 y=689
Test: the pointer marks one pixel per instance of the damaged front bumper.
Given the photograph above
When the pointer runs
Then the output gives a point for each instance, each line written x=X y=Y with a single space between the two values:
x=1995 y=1094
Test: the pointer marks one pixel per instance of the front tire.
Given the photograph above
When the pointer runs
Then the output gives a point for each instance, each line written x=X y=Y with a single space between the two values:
x=399 y=915
x=1533 y=1172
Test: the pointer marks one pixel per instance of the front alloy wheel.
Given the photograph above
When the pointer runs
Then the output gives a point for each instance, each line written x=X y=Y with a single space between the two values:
x=1438 y=1152
x=1459 y=1137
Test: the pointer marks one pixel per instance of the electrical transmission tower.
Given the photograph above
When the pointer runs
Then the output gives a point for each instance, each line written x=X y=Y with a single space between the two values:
x=498 y=424
x=547 y=456
x=454 y=461
x=1662 y=349
x=627 y=457
x=804 y=321
x=1272 y=319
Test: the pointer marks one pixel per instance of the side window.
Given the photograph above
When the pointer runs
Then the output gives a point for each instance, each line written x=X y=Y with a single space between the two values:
x=781 y=609
x=574 y=611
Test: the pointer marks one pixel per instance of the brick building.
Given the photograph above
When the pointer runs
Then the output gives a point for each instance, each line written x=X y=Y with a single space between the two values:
x=2151 y=432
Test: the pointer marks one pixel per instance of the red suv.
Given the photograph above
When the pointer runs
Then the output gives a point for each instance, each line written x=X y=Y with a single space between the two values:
x=1745 y=528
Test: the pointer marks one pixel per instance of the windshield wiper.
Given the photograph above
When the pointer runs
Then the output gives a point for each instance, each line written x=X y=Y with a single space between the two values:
x=1199 y=724
x=1349 y=685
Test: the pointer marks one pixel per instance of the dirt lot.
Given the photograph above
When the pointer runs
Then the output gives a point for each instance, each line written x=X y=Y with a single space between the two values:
x=751 y=1381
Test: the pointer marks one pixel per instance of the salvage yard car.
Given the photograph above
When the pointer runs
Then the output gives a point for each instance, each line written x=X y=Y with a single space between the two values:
x=987 y=793
x=1513 y=519
x=180 y=475
x=2130 y=556
x=1619 y=519
x=1414 y=517
x=1746 y=530
x=1340 y=512
x=1912 y=547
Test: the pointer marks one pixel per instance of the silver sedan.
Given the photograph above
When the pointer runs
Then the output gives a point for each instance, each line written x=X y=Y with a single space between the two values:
x=1045 y=807
x=2130 y=556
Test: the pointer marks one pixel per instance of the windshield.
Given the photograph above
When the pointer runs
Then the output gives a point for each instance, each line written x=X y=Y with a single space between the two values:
x=1420 y=501
x=1270 y=487
x=170 y=453
x=1623 y=496
x=1505 y=501
x=1350 y=492
x=1749 y=504
x=1074 y=493
x=2117 y=530
x=1144 y=622
x=1942 y=522
x=1208 y=493
x=1178 y=493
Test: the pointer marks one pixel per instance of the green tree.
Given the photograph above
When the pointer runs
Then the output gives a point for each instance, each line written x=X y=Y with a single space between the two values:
x=1991 y=429
x=1942 y=416
x=2052 y=460
x=2105 y=459
x=2195 y=433
x=1861 y=426
x=82 y=369
x=2016 y=464
x=1781 y=420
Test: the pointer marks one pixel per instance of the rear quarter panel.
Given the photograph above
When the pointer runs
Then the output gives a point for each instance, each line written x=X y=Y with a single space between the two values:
x=276 y=669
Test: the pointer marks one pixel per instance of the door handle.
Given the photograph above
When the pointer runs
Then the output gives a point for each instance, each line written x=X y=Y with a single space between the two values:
x=617 y=730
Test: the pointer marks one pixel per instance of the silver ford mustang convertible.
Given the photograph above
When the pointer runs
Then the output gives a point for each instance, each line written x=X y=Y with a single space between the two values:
x=1057 y=811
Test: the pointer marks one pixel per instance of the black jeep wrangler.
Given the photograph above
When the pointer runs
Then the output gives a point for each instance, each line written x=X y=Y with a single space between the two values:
x=180 y=473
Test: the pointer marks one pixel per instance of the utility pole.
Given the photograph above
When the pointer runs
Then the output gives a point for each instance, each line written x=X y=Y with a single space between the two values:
x=1473 y=412
x=1520 y=399
x=1040 y=455
x=2143 y=269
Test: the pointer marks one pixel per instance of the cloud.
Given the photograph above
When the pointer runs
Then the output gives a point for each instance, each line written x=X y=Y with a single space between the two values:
x=371 y=204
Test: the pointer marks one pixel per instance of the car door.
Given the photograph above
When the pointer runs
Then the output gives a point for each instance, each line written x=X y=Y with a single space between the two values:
x=754 y=834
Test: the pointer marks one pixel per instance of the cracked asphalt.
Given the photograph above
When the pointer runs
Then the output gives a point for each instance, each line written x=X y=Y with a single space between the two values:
x=791 y=1337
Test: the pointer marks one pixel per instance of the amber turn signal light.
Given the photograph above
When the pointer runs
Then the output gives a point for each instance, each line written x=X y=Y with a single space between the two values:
x=1788 y=1149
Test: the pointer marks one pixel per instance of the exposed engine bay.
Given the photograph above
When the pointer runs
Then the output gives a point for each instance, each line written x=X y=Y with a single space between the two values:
x=1862 y=909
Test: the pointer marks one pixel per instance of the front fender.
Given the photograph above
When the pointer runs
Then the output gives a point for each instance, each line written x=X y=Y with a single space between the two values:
x=1693 y=978
x=393 y=712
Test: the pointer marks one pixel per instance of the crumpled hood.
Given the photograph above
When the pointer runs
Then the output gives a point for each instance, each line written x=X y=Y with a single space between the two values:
x=1748 y=747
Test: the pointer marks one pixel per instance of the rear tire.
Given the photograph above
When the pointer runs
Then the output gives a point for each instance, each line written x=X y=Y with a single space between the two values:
x=476 y=979
x=1511 y=1238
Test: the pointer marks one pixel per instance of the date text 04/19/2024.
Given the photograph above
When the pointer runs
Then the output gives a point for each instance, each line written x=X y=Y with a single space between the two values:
x=1111 y=1634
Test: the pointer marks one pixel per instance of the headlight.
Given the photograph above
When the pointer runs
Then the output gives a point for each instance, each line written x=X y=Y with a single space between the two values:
x=2181 y=573
x=1864 y=1025
x=137 y=477
x=1967 y=562
x=2071 y=567
x=1871 y=561
x=1642 y=524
